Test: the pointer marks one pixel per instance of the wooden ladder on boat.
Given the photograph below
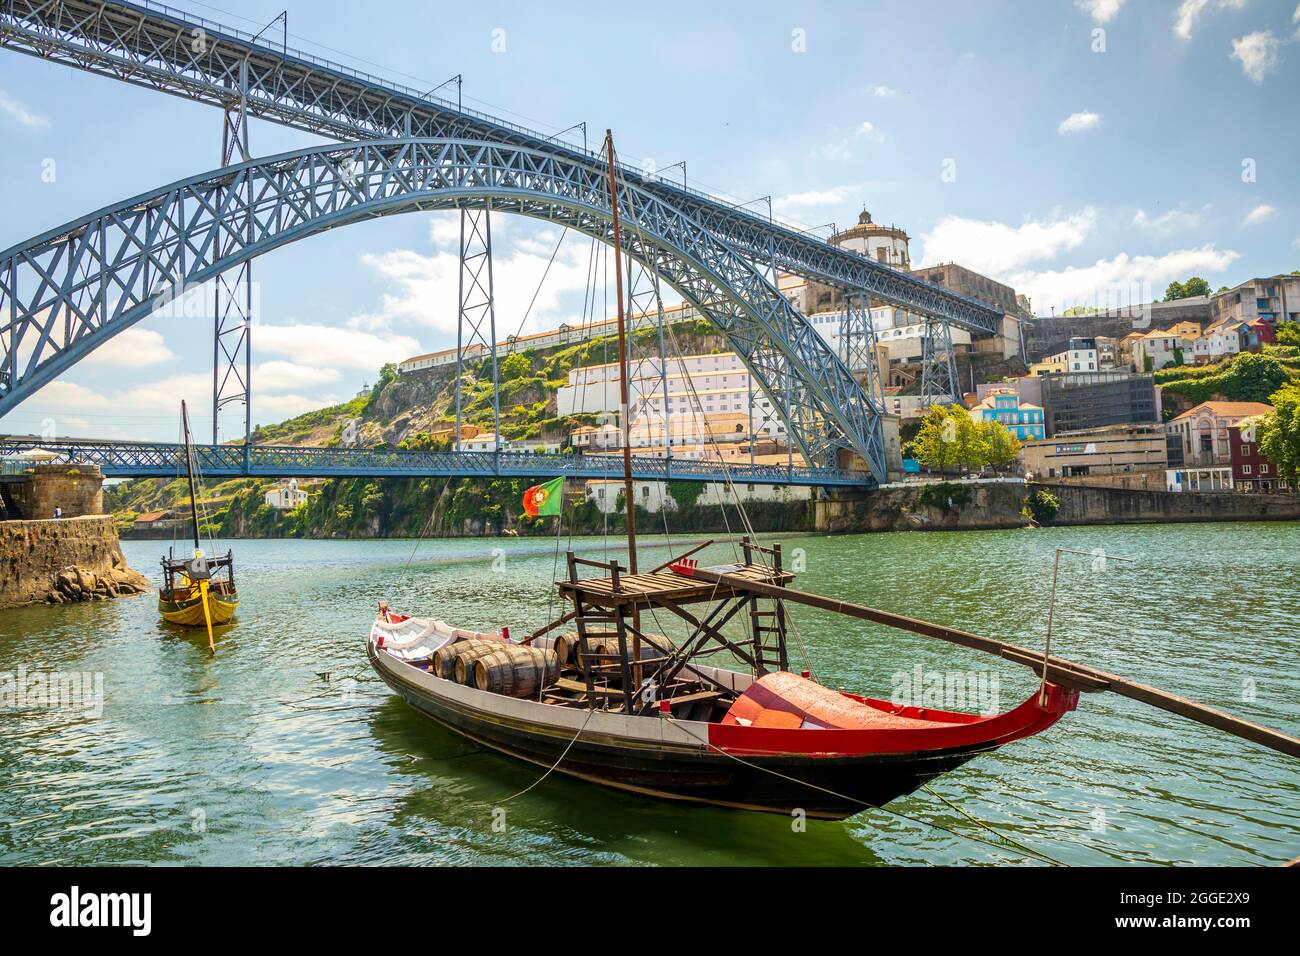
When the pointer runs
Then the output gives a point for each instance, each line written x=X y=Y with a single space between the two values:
x=596 y=625
x=766 y=618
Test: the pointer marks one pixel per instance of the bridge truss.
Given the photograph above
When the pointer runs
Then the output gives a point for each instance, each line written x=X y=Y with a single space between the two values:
x=150 y=45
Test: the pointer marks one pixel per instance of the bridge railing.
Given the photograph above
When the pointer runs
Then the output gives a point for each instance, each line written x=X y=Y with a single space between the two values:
x=143 y=459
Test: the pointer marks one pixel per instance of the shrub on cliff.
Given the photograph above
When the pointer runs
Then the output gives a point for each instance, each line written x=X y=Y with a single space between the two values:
x=1042 y=506
x=946 y=496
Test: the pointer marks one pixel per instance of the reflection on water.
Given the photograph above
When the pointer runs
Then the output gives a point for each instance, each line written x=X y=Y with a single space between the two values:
x=285 y=749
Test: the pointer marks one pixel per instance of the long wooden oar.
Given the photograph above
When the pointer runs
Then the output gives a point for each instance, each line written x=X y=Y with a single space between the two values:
x=207 y=613
x=1058 y=670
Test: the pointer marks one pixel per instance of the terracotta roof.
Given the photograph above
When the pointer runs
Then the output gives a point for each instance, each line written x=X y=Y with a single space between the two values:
x=153 y=516
x=1229 y=409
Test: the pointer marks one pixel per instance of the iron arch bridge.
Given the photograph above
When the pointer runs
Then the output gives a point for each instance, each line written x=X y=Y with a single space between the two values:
x=68 y=291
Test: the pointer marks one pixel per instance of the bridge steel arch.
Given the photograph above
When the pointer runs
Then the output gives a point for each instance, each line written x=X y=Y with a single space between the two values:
x=69 y=290
x=150 y=45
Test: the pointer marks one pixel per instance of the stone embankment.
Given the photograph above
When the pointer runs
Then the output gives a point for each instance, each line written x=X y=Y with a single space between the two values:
x=64 y=560
x=959 y=506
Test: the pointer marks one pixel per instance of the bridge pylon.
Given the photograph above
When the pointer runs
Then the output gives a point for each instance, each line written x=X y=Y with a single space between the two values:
x=232 y=324
x=476 y=311
x=939 y=384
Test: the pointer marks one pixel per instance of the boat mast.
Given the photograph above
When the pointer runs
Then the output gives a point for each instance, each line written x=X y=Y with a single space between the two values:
x=629 y=502
x=189 y=472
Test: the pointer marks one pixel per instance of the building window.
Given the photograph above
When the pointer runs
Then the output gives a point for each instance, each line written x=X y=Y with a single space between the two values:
x=1245 y=469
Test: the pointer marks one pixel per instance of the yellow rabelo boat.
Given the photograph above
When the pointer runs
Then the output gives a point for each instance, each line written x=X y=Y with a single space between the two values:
x=197 y=591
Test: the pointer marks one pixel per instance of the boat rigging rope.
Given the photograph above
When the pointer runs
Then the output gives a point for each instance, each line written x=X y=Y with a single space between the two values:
x=1006 y=840
x=558 y=760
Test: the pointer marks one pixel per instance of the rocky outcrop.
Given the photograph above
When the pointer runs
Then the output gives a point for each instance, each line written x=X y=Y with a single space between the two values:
x=81 y=584
x=69 y=559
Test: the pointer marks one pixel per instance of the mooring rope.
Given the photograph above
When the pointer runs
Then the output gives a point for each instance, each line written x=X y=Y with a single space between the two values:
x=558 y=760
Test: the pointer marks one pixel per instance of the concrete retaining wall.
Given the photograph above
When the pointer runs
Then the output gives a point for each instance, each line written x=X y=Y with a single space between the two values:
x=1084 y=505
x=994 y=506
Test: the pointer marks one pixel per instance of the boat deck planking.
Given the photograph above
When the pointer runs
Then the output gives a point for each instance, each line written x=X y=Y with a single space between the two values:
x=665 y=587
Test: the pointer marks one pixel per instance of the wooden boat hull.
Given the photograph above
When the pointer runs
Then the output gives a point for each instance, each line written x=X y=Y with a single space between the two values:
x=708 y=763
x=187 y=611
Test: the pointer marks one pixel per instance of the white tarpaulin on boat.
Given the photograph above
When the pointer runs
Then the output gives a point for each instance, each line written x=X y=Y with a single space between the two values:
x=414 y=638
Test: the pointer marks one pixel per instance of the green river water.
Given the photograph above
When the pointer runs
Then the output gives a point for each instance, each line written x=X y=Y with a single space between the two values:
x=251 y=757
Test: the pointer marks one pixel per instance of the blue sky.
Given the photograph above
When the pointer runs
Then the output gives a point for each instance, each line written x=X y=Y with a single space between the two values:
x=1011 y=137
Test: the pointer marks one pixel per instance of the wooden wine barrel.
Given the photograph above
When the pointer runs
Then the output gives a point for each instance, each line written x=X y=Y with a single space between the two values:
x=656 y=651
x=516 y=671
x=562 y=644
x=444 y=658
x=472 y=652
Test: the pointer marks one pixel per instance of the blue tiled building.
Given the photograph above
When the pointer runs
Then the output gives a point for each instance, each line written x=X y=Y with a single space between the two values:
x=1022 y=419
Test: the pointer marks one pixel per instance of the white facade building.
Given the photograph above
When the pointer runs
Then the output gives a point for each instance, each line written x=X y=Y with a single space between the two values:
x=653 y=496
x=1161 y=348
x=699 y=387
x=488 y=441
x=1217 y=341
x=286 y=495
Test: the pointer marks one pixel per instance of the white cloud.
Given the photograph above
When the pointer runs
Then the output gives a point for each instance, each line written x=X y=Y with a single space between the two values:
x=1189 y=12
x=868 y=130
x=331 y=347
x=1170 y=221
x=1078 y=123
x=425 y=288
x=1261 y=213
x=839 y=148
x=994 y=248
x=279 y=376
x=1123 y=279
x=20 y=113
x=132 y=348
x=1101 y=11
x=1258 y=54
x=798 y=204
x=885 y=91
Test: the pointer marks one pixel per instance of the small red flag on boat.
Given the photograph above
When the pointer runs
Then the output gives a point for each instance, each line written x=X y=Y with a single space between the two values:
x=544 y=499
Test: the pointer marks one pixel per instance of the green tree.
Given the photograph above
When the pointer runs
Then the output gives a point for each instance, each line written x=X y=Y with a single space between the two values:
x=1185 y=290
x=948 y=437
x=515 y=366
x=935 y=444
x=999 y=445
x=1278 y=433
x=1288 y=333
x=1253 y=378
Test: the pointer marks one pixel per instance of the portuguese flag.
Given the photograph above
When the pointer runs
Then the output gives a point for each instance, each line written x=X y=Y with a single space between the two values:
x=544 y=499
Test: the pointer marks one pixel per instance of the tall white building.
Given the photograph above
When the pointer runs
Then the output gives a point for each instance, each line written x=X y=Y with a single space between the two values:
x=697 y=387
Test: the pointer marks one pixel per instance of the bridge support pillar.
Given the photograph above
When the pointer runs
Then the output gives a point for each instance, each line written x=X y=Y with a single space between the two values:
x=232 y=347
x=939 y=384
x=476 y=313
